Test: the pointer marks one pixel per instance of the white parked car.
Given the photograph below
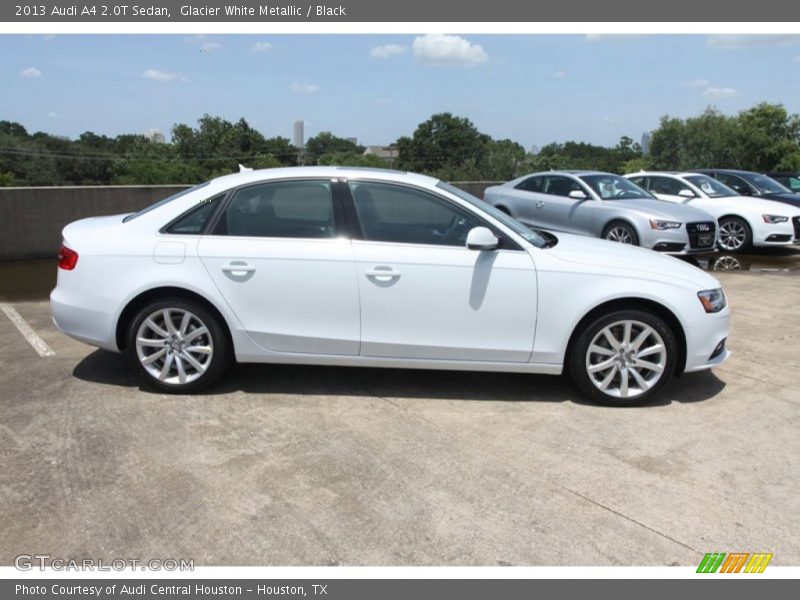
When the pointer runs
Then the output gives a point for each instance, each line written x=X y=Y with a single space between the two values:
x=744 y=221
x=374 y=268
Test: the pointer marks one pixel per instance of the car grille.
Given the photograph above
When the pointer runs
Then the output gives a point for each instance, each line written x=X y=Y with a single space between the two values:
x=701 y=235
x=796 y=223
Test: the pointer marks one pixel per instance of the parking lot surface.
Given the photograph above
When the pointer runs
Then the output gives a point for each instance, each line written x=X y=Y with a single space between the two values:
x=287 y=465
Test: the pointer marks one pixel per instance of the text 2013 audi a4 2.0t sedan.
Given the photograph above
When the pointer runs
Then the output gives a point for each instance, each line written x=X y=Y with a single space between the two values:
x=607 y=206
x=358 y=267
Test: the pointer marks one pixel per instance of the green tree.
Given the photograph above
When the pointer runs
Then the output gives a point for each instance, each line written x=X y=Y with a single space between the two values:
x=327 y=143
x=442 y=145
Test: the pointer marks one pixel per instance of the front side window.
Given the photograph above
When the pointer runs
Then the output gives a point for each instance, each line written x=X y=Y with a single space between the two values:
x=614 y=187
x=393 y=213
x=766 y=184
x=710 y=186
x=280 y=209
x=735 y=183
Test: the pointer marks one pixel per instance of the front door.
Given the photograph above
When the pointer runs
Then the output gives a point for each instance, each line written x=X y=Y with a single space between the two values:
x=424 y=295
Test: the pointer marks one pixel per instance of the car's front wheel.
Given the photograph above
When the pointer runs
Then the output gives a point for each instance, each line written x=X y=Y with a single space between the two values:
x=734 y=234
x=178 y=345
x=621 y=232
x=623 y=358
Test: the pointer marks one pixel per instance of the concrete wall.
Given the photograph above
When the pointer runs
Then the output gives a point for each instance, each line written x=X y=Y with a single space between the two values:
x=31 y=219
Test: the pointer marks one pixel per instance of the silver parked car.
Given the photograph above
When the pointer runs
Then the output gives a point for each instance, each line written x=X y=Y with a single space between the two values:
x=607 y=206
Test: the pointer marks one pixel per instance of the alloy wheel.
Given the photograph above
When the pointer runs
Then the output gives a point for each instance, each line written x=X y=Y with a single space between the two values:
x=732 y=235
x=174 y=346
x=626 y=358
x=619 y=234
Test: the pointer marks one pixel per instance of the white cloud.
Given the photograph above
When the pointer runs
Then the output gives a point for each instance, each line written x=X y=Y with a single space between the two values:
x=747 y=41
x=720 y=93
x=205 y=43
x=387 y=51
x=698 y=83
x=156 y=75
x=31 y=73
x=448 y=51
x=53 y=115
x=559 y=74
x=260 y=47
x=303 y=88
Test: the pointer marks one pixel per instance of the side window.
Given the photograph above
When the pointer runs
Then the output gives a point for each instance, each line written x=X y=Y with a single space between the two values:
x=668 y=186
x=280 y=209
x=641 y=182
x=558 y=185
x=392 y=213
x=793 y=183
x=194 y=221
x=734 y=182
x=531 y=184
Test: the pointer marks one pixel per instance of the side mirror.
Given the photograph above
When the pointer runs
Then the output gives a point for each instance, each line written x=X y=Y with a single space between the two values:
x=686 y=194
x=482 y=238
x=578 y=195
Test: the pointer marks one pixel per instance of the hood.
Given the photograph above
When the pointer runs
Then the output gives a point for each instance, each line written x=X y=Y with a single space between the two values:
x=662 y=209
x=762 y=205
x=788 y=198
x=617 y=259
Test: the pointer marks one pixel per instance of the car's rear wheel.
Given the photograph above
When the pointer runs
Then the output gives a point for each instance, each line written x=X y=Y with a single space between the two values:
x=734 y=234
x=621 y=232
x=623 y=358
x=178 y=345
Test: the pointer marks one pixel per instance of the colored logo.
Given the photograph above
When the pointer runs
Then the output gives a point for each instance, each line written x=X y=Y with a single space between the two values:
x=734 y=562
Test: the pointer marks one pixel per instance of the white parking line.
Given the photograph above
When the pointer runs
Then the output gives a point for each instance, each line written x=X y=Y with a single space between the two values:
x=41 y=347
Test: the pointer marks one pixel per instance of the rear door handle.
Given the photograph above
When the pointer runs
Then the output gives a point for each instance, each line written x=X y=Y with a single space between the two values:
x=238 y=268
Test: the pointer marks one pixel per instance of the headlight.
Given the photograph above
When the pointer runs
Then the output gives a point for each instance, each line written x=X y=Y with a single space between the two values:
x=713 y=301
x=662 y=225
x=774 y=219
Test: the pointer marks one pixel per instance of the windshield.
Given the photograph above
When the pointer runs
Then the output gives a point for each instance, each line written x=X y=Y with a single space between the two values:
x=710 y=186
x=507 y=220
x=163 y=202
x=614 y=187
x=766 y=184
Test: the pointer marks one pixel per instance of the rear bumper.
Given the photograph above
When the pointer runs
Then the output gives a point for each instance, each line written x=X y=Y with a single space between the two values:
x=84 y=318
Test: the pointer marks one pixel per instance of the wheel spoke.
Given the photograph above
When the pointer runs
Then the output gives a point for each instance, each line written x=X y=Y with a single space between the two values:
x=195 y=333
x=643 y=335
x=611 y=339
x=594 y=348
x=626 y=332
x=650 y=350
x=150 y=343
x=650 y=366
x=156 y=328
x=644 y=385
x=602 y=366
x=608 y=378
x=198 y=349
x=181 y=370
x=154 y=356
x=196 y=364
x=184 y=323
x=164 y=373
x=623 y=384
x=168 y=322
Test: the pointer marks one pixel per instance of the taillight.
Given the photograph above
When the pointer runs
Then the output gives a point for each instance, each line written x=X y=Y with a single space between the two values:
x=67 y=258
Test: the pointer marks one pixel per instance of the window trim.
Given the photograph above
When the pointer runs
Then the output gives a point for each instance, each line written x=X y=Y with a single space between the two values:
x=339 y=223
x=356 y=233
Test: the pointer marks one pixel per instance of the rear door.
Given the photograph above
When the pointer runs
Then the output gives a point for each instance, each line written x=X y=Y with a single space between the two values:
x=280 y=258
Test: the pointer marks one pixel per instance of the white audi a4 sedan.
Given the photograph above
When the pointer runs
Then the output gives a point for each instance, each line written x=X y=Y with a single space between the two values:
x=744 y=221
x=376 y=268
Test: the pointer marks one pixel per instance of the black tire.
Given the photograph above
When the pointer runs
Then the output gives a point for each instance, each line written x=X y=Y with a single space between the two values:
x=216 y=339
x=740 y=226
x=615 y=226
x=579 y=357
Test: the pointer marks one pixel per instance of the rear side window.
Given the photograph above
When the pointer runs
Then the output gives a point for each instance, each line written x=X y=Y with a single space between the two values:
x=280 y=209
x=194 y=221
x=531 y=184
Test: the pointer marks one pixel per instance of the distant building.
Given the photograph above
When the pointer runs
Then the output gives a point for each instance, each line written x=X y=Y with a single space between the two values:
x=155 y=135
x=646 y=139
x=352 y=140
x=386 y=153
x=298 y=136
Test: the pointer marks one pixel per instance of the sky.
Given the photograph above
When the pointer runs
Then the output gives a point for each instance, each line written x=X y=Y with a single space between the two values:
x=534 y=89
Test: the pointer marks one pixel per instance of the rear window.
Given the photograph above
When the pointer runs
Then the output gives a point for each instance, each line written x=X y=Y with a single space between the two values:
x=166 y=200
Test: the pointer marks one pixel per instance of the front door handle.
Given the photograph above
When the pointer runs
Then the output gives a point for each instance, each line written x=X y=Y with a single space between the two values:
x=540 y=204
x=382 y=273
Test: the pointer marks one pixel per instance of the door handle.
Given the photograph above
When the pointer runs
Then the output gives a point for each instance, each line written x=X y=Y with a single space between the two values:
x=238 y=268
x=382 y=273
x=540 y=204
